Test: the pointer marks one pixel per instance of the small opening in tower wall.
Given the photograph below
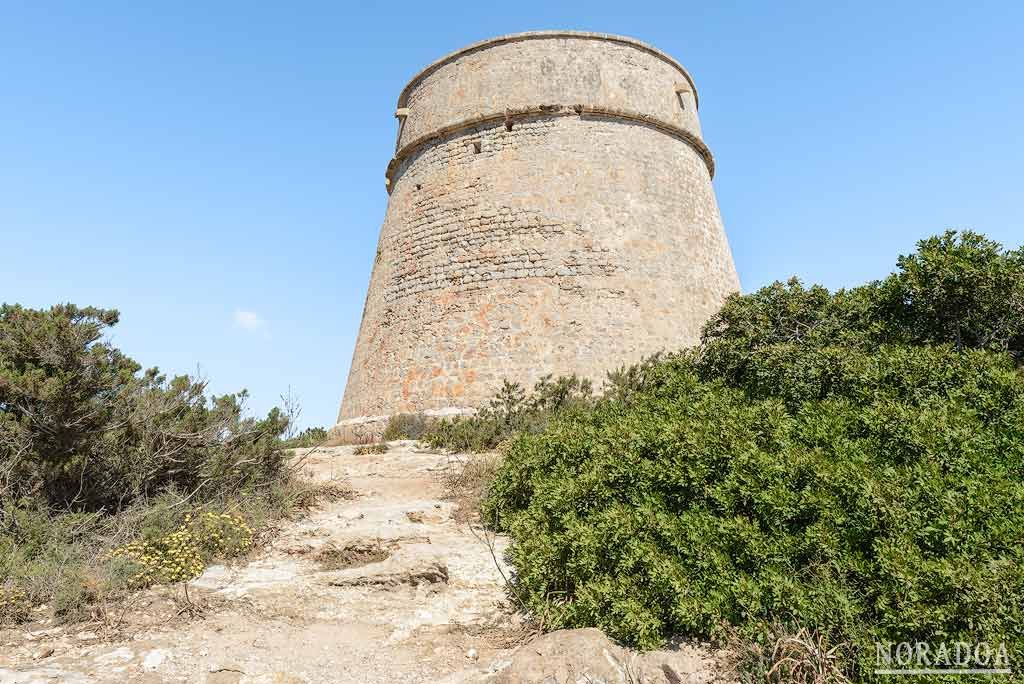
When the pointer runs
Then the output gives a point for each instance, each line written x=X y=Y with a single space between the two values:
x=419 y=187
x=508 y=124
x=476 y=147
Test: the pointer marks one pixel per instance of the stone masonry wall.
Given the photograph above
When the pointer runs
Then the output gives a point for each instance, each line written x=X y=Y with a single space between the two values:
x=538 y=69
x=560 y=239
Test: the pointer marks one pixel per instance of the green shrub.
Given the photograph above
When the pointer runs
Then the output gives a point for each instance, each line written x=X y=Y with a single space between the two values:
x=14 y=605
x=97 y=455
x=406 y=426
x=962 y=289
x=44 y=555
x=219 y=534
x=511 y=411
x=820 y=462
x=182 y=554
x=83 y=428
x=466 y=434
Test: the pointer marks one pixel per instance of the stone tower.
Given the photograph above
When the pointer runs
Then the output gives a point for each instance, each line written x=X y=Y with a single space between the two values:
x=551 y=211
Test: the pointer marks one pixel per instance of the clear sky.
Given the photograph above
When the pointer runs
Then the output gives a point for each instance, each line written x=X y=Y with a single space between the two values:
x=215 y=170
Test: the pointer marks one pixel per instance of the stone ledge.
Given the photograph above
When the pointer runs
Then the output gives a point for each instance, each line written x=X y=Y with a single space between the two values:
x=552 y=110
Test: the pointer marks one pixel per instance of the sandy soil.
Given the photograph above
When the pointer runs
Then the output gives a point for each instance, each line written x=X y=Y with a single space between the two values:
x=389 y=585
x=385 y=587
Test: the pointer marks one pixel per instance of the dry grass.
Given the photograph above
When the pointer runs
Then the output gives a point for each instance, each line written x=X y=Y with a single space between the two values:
x=377 y=448
x=312 y=494
x=466 y=480
x=408 y=426
x=65 y=561
x=353 y=555
x=802 y=656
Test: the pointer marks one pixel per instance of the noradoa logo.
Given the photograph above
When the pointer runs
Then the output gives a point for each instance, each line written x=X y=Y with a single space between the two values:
x=959 y=658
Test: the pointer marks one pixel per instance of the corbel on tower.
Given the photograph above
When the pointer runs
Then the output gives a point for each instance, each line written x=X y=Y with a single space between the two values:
x=682 y=89
x=402 y=113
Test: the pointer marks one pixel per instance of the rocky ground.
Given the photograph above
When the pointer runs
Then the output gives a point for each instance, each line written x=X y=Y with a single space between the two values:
x=382 y=586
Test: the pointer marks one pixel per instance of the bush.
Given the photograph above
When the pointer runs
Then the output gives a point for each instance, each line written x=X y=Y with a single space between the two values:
x=466 y=480
x=377 y=448
x=310 y=437
x=47 y=557
x=101 y=463
x=847 y=465
x=510 y=412
x=406 y=426
x=14 y=605
x=962 y=289
x=182 y=555
x=467 y=434
x=82 y=428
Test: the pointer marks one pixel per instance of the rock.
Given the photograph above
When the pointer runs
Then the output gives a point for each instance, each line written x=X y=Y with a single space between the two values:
x=392 y=573
x=566 y=656
x=588 y=655
x=153 y=660
x=472 y=654
x=44 y=652
x=276 y=678
x=224 y=676
x=288 y=678
x=122 y=654
x=44 y=675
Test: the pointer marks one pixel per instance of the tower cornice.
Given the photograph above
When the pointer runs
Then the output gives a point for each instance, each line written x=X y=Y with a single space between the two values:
x=533 y=35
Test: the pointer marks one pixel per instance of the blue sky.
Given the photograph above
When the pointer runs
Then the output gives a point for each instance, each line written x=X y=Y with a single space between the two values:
x=215 y=170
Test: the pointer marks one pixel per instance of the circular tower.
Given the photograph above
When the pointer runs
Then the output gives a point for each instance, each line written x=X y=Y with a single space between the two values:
x=551 y=211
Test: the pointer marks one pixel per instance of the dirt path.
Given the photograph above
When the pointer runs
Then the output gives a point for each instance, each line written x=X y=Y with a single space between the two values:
x=420 y=600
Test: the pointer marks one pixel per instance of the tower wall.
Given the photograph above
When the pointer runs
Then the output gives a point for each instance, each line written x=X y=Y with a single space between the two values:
x=551 y=211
